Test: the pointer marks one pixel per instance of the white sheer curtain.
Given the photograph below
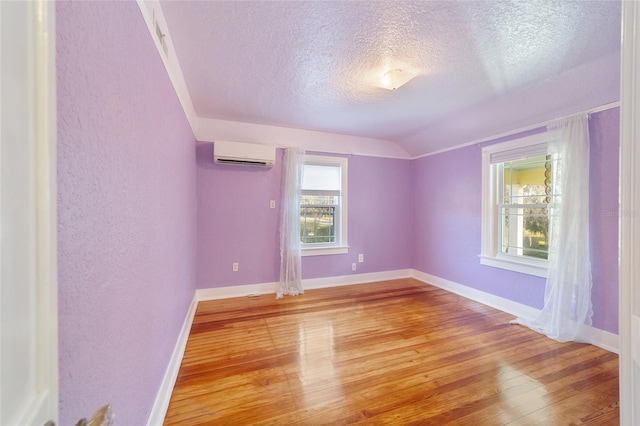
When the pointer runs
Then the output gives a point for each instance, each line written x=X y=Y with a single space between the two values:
x=567 y=299
x=290 y=252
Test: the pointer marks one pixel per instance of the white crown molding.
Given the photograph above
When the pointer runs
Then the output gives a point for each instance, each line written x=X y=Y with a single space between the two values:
x=152 y=13
x=516 y=131
x=211 y=129
x=161 y=403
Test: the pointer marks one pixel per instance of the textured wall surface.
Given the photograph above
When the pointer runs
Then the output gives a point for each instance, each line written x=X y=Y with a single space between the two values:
x=446 y=241
x=132 y=249
x=379 y=218
x=235 y=223
x=126 y=209
x=604 y=132
x=446 y=238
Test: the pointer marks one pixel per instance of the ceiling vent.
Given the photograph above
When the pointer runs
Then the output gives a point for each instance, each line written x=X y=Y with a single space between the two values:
x=244 y=154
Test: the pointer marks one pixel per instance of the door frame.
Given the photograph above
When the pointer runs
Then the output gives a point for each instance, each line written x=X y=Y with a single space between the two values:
x=46 y=198
x=629 y=309
x=43 y=404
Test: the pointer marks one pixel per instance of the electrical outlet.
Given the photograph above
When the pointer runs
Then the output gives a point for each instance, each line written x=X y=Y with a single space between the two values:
x=235 y=267
x=353 y=266
x=272 y=204
x=361 y=258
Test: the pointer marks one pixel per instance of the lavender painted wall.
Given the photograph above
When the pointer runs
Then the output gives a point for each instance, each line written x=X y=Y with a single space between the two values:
x=446 y=239
x=604 y=132
x=379 y=217
x=235 y=223
x=129 y=254
x=126 y=210
x=447 y=221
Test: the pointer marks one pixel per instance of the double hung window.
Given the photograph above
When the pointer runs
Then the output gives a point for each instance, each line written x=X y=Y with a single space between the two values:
x=517 y=192
x=323 y=205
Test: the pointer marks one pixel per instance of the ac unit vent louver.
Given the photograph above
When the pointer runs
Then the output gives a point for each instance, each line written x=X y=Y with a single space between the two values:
x=243 y=154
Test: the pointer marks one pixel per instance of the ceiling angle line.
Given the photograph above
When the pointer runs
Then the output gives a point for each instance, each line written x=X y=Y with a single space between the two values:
x=589 y=111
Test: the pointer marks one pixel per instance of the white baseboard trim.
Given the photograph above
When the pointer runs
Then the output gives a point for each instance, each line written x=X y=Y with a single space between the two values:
x=497 y=302
x=596 y=337
x=604 y=339
x=370 y=277
x=215 y=293
x=161 y=404
x=308 y=284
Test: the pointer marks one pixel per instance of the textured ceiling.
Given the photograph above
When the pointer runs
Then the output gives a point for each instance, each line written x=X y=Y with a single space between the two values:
x=484 y=67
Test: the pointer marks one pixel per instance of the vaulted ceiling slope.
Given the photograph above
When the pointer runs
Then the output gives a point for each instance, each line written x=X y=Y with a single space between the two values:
x=483 y=67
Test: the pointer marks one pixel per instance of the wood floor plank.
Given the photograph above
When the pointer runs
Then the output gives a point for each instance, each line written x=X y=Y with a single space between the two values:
x=393 y=352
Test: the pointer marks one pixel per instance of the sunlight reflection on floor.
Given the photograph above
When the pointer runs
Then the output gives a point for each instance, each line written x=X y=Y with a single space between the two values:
x=317 y=370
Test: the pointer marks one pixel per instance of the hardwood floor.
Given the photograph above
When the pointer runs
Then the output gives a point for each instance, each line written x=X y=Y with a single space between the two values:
x=394 y=352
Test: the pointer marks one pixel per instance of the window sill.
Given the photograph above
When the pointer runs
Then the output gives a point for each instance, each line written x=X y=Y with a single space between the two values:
x=512 y=263
x=322 y=251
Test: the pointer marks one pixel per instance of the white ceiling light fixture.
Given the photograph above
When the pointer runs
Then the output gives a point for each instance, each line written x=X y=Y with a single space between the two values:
x=394 y=78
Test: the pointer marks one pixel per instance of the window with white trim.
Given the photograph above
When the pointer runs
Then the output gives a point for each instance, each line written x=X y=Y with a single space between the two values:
x=517 y=179
x=323 y=205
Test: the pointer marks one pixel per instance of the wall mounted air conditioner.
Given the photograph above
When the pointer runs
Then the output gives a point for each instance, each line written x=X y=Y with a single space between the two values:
x=244 y=154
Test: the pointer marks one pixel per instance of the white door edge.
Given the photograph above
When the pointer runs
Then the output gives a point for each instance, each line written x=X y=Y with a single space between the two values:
x=630 y=216
x=32 y=24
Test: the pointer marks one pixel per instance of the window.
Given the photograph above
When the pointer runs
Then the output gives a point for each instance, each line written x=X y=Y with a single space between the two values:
x=517 y=178
x=523 y=197
x=323 y=205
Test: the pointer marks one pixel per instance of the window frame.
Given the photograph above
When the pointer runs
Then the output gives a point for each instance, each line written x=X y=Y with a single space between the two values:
x=490 y=254
x=340 y=246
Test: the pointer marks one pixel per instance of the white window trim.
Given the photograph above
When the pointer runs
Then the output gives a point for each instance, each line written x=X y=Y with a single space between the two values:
x=341 y=246
x=322 y=251
x=489 y=254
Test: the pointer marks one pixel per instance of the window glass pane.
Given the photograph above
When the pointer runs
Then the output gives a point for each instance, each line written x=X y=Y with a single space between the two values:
x=524 y=217
x=323 y=178
x=318 y=219
x=525 y=231
x=322 y=203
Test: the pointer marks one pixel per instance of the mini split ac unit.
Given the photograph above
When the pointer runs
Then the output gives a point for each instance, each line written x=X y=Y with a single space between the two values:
x=244 y=154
